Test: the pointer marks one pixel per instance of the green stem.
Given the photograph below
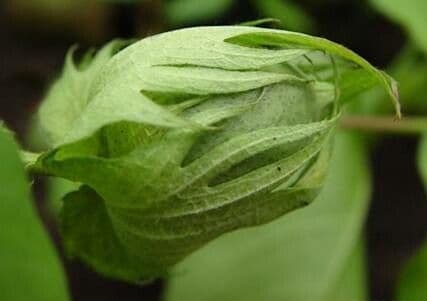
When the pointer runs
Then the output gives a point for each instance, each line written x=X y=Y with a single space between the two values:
x=405 y=126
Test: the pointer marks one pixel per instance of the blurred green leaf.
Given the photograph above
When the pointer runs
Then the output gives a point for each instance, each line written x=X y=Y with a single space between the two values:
x=412 y=284
x=410 y=70
x=260 y=22
x=299 y=257
x=352 y=284
x=180 y=12
x=57 y=188
x=290 y=14
x=30 y=269
x=409 y=13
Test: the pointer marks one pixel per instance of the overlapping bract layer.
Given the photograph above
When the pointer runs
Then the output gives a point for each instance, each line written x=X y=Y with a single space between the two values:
x=187 y=135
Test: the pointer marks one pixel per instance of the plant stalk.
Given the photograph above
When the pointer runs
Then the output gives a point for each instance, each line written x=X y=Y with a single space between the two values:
x=386 y=124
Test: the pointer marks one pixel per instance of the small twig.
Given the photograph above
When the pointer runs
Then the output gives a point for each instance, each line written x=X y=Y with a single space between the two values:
x=405 y=126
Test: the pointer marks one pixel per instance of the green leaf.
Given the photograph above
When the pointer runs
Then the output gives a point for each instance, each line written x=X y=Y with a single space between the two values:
x=180 y=12
x=410 y=14
x=352 y=284
x=30 y=268
x=302 y=256
x=184 y=136
x=57 y=189
x=410 y=69
x=259 y=22
x=411 y=285
x=290 y=14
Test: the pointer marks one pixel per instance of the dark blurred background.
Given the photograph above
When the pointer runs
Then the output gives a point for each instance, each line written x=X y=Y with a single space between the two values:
x=35 y=37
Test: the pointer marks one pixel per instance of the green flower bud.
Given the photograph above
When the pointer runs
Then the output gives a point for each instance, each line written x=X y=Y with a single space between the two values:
x=186 y=135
